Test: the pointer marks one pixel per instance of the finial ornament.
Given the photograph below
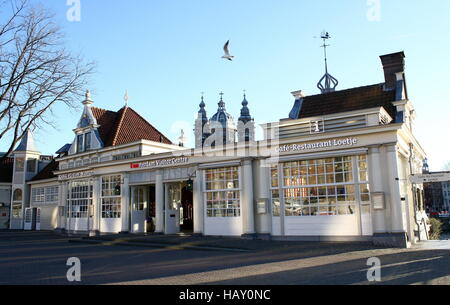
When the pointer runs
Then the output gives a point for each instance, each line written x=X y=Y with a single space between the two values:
x=327 y=83
x=221 y=102
x=126 y=98
x=88 y=100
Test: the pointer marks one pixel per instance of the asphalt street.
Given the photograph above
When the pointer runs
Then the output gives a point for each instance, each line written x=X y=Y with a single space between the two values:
x=39 y=258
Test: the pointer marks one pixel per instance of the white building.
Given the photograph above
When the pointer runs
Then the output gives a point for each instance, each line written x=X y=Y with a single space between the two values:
x=446 y=195
x=336 y=170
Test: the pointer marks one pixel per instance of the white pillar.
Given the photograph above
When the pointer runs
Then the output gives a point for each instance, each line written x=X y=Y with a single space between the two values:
x=167 y=209
x=264 y=194
x=199 y=210
x=395 y=196
x=97 y=205
x=247 y=203
x=376 y=179
x=125 y=204
x=159 y=198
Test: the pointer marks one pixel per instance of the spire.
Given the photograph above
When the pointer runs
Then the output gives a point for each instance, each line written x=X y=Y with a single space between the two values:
x=327 y=83
x=88 y=100
x=126 y=98
x=202 y=111
x=221 y=102
x=182 y=139
x=202 y=105
x=27 y=143
x=245 y=112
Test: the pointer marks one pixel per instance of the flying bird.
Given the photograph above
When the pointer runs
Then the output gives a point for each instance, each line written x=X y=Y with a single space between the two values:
x=227 y=52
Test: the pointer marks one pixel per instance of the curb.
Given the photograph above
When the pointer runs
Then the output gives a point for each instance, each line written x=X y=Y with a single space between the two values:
x=154 y=245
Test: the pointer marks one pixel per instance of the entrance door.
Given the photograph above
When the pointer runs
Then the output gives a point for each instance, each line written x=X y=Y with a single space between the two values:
x=38 y=219
x=28 y=223
x=139 y=207
x=173 y=206
x=187 y=211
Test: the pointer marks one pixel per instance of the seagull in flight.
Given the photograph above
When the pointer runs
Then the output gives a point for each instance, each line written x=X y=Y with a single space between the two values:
x=227 y=52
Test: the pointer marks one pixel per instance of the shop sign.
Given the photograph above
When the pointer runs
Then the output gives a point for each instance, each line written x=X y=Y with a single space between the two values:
x=160 y=163
x=318 y=145
x=75 y=175
x=428 y=178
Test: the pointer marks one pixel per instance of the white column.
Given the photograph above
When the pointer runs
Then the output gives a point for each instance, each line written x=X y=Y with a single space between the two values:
x=125 y=204
x=199 y=210
x=247 y=203
x=376 y=179
x=167 y=209
x=159 y=198
x=264 y=193
x=97 y=201
x=395 y=196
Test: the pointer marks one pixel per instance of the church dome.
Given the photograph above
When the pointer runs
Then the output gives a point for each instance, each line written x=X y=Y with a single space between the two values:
x=222 y=116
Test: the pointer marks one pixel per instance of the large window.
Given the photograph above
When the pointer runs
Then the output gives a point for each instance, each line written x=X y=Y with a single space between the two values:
x=275 y=192
x=45 y=194
x=222 y=192
x=323 y=187
x=80 y=199
x=38 y=195
x=111 y=196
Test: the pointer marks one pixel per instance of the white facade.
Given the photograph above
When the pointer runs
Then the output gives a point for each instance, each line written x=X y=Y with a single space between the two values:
x=335 y=177
x=446 y=195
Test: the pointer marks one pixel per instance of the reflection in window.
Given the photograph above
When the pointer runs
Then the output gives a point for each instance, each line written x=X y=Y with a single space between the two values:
x=222 y=192
x=323 y=187
x=111 y=196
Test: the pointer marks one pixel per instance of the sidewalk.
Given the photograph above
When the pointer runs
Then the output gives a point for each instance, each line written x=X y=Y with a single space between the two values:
x=212 y=243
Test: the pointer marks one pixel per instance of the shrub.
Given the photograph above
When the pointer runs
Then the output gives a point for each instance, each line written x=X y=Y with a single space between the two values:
x=436 y=229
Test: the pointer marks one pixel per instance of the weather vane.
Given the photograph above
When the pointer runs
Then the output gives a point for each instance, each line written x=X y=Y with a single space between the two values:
x=327 y=83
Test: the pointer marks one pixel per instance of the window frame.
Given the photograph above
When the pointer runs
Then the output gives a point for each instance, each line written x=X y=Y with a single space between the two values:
x=325 y=197
x=220 y=196
x=111 y=202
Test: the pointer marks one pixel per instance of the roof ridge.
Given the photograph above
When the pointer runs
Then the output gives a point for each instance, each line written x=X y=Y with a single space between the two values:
x=348 y=89
x=119 y=126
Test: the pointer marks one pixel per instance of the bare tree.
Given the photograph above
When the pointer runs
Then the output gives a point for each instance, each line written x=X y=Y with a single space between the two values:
x=36 y=71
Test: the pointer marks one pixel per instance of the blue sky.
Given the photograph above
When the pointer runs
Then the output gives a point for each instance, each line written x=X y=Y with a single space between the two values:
x=166 y=52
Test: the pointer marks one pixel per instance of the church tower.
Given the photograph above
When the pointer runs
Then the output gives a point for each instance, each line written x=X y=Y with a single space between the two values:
x=201 y=126
x=246 y=124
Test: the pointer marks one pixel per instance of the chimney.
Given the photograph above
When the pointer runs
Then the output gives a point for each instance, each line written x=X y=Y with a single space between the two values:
x=295 y=112
x=392 y=65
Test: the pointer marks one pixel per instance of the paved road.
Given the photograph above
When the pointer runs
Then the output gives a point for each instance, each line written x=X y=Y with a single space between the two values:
x=40 y=258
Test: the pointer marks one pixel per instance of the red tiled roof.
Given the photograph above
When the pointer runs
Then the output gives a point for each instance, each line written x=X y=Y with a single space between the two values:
x=125 y=126
x=348 y=100
x=6 y=170
x=47 y=172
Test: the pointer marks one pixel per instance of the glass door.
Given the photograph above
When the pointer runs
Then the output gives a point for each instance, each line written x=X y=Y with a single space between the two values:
x=139 y=209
